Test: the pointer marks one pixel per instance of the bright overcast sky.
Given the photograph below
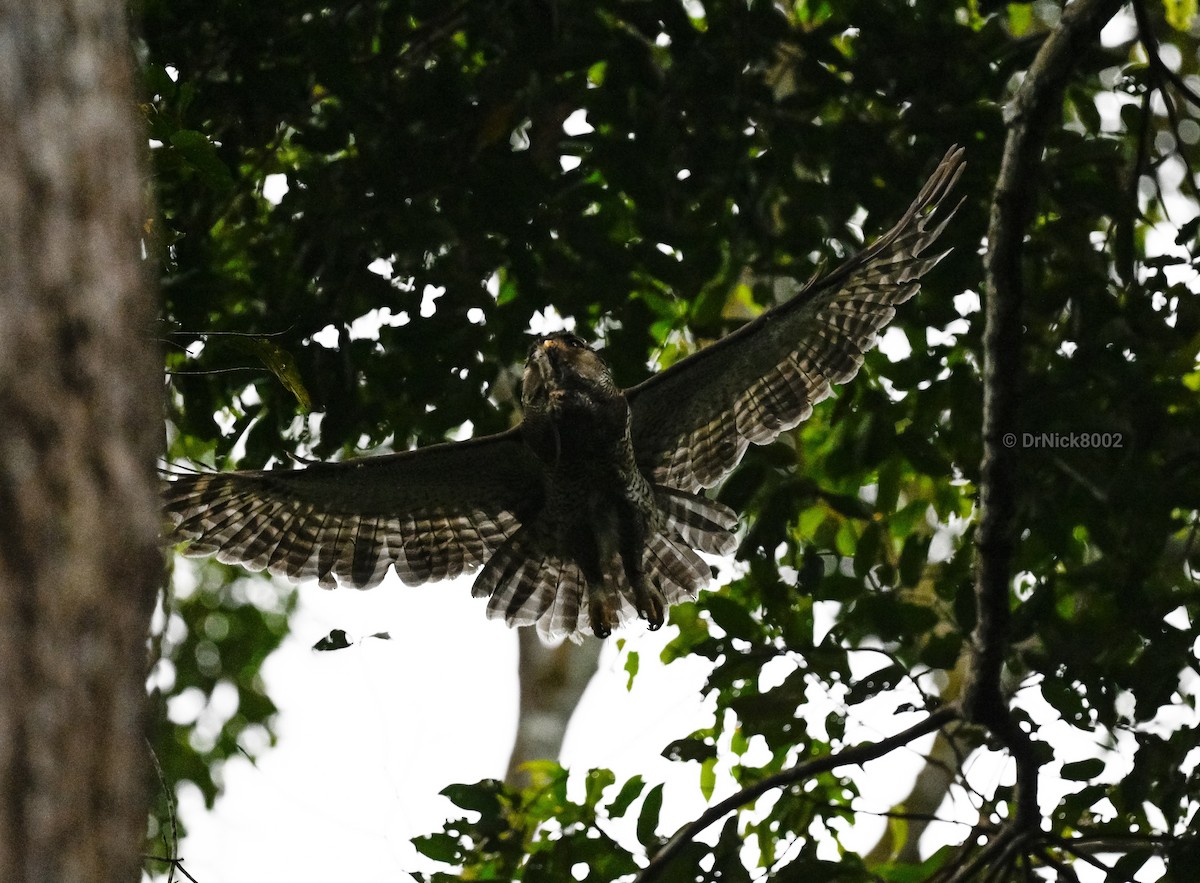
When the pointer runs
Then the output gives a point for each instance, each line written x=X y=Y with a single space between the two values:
x=370 y=734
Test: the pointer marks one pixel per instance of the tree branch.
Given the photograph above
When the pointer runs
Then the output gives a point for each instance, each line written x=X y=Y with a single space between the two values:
x=1065 y=871
x=1034 y=107
x=858 y=754
x=1154 y=54
x=1164 y=76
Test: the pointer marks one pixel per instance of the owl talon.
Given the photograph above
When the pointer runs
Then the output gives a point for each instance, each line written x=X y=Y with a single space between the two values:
x=650 y=608
x=603 y=617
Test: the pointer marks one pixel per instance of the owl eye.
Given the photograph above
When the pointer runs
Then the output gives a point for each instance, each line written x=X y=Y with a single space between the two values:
x=575 y=343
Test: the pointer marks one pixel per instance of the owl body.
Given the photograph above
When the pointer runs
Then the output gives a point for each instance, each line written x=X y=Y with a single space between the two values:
x=600 y=514
x=593 y=511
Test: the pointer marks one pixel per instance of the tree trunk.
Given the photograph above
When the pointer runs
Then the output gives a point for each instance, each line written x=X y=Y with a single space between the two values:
x=79 y=430
x=552 y=683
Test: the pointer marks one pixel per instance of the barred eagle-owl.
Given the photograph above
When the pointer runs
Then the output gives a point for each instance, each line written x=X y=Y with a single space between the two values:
x=591 y=511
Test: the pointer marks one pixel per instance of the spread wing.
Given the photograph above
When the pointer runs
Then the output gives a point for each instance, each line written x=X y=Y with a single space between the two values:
x=692 y=423
x=434 y=513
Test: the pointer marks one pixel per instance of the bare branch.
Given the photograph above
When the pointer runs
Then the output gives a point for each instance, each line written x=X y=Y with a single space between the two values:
x=1113 y=841
x=175 y=863
x=1154 y=54
x=1065 y=871
x=998 y=847
x=1032 y=111
x=1163 y=76
x=1084 y=856
x=856 y=755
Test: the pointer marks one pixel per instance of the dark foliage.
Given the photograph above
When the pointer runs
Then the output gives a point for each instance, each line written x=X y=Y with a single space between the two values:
x=728 y=146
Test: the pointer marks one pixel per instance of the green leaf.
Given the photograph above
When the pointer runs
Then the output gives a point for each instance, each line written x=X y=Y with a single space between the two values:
x=628 y=794
x=1083 y=770
x=913 y=557
x=851 y=507
x=867 y=550
x=732 y=618
x=1180 y=14
x=597 y=780
x=738 y=743
x=647 y=823
x=1187 y=230
x=690 y=748
x=439 y=847
x=873 y=684
x=708 y=777
x=201 y=155
x=631 y=667
x=942 y=651
x=335 y=640
x=1020 y=18
x=280 y=363
x=481 y=797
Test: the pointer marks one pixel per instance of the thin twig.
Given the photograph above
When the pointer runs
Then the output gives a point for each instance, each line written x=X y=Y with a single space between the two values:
x=1164 y=76
x=856 y=755
x=998 y=845
x=172 y=845
x=202 y=334
x=897 y=814
x=1119 y=842
x=949 y=870
x=1083 y=856
x=175 y=863
x=201 y=372
x=1154 y=55
x=1064 y=869
x=1012 y=852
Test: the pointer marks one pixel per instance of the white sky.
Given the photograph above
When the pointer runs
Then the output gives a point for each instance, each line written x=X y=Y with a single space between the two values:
x=370 y=734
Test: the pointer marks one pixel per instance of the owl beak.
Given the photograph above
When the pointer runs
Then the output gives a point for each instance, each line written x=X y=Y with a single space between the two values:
x=551 y=352
x=541 y=365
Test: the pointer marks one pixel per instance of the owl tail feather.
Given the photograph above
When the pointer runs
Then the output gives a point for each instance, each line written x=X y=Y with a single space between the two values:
x=525 y=584
x=674 y=568
x=515 y=579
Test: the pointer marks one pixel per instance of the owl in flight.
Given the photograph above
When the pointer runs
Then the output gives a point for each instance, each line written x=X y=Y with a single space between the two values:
x=591 y=511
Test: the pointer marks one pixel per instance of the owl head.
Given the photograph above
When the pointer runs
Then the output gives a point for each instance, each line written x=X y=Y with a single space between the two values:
x=562 y=371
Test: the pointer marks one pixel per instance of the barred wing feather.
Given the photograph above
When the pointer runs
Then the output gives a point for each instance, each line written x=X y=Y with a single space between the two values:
x=433 y=513
x=691 y=423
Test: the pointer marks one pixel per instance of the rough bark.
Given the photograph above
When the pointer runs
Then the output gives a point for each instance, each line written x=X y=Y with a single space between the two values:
x=79 y=430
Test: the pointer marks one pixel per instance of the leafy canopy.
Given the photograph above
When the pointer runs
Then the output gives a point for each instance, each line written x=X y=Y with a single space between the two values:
x=364 y=205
